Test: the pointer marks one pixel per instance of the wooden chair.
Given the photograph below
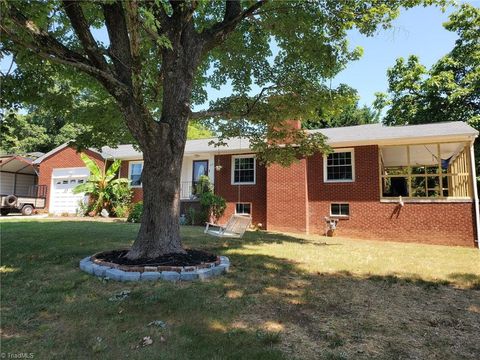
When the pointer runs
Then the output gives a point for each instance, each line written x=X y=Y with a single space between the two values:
x=234 y=228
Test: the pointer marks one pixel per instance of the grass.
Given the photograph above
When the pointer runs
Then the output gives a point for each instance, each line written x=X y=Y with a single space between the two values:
x=287 y=296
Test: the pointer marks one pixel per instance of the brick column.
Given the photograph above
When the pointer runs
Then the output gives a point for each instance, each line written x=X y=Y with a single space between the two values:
x=287 y=198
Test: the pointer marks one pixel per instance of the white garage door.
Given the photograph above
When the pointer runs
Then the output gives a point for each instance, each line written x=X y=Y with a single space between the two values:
x=62 y=198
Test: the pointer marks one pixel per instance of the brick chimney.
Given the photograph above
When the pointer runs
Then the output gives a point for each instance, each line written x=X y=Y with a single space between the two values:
x=287 y=125
x=287 y=192
x=293 y=124
x=287 y=197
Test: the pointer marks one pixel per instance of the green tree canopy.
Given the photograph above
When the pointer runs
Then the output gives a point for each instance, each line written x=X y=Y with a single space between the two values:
x=449 y=90
x=43 y=130
x=344 y=110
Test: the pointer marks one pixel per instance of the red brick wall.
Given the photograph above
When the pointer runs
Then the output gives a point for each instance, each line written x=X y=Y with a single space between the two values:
x=436 y=223
x=66 y=158
x=364 y=188
x=283 y=200
x=287 y=198
x=432 y=223
x=255 y=194
x=137 y=192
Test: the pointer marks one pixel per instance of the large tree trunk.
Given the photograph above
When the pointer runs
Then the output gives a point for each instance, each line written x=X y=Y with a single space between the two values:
x=160 y=231
x=163 y=144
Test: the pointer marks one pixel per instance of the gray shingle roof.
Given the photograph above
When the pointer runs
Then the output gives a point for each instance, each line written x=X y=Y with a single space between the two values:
x=345 y=136
x=377 y=133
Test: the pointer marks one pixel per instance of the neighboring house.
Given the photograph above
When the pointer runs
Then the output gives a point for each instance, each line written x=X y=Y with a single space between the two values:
x=60 y=170
x=405 y=183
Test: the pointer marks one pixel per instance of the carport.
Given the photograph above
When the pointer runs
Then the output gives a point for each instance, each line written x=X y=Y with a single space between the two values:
x=18 y=176
x=19 y=189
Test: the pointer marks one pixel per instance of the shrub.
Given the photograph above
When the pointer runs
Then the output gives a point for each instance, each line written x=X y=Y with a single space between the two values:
x=191 y=216
x=203 y=185
x=82 y=208
x=135 y=215
x=213 y=205
x=122 y=210
x=104 y=189
x=120 y=202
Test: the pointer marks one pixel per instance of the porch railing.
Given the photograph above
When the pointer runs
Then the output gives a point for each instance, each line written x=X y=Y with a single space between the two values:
x=187 y=190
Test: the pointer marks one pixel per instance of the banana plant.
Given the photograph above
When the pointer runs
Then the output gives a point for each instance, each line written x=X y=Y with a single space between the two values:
x=101 y=185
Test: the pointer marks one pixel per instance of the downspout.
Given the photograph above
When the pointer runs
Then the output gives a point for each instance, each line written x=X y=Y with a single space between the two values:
x=475 y=191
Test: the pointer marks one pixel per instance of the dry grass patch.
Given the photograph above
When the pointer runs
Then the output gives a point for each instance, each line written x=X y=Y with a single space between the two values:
x=286 y=297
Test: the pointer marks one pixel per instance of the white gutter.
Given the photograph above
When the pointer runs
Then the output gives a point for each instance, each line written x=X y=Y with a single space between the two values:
x=475 y=192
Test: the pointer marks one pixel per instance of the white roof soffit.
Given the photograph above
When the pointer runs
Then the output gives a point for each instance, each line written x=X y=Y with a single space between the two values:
x=372 y=134
x=420 y=155
x=192 y=147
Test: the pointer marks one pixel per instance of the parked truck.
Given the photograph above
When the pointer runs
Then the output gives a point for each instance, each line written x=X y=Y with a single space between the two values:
x=25 y=204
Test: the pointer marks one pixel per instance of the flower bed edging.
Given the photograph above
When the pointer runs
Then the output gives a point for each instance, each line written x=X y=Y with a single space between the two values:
x=152 y=273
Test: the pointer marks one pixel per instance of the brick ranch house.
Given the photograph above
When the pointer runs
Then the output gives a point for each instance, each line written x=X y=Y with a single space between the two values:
x=406 y=183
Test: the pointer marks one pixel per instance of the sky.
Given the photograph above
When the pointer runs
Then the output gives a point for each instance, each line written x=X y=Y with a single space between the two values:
x=416 y=31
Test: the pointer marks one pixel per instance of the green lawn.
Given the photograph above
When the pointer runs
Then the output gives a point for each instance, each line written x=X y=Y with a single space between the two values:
x=285 y=297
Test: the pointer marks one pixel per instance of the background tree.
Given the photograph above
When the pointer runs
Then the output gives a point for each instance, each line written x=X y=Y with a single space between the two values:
x=42 y=131
x=159 y=57
x=61 y=106
x=19 y=136
x=449 y=91
x=343 y=110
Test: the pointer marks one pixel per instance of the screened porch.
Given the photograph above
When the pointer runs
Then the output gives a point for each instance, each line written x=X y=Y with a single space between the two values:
x=426 y=171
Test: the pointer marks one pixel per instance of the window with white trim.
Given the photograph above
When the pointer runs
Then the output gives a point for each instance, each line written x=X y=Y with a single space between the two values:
x=243 y=169
x=243 y=208
x=340 y=210
x=339 y=166
x=135 y=173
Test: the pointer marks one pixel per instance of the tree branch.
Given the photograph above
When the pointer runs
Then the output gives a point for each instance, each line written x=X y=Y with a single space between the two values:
x=43 y=39
x=50 y=48
x=119 y=41
x=133 y=25
x=205 y=114
x=257 y=99
x=74 y=12
x=233 y=15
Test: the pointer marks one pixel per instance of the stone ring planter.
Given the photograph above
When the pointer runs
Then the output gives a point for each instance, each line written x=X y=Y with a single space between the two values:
x=96 y=267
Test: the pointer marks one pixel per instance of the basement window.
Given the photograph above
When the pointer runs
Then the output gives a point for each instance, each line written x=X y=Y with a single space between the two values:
x=340 y=210
x=243 y=208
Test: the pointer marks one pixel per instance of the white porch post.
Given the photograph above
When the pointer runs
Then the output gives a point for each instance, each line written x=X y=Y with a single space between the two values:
x=475 y=191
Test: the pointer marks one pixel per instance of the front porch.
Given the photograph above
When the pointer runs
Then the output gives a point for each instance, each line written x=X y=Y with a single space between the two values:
x=188 y=190
x=193 y=167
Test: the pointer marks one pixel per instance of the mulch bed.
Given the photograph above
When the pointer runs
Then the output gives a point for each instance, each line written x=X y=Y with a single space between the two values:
x=191 y=258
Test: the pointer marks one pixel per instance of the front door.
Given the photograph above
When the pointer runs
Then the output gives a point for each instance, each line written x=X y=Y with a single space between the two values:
x=200 y=168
